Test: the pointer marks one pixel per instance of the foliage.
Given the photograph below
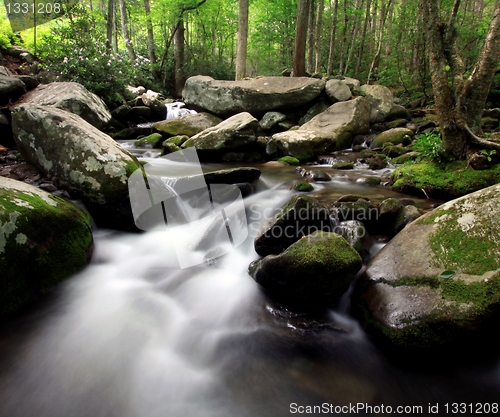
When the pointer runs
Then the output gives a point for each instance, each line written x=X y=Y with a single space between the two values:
x=488 y=153
x=7 y=37
x=76 y=51
x=430 y=146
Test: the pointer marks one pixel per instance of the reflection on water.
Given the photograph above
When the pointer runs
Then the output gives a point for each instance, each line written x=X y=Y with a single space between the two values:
x=133 y=335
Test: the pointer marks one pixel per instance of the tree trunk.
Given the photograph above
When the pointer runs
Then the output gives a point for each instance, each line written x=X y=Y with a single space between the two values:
x=344 y=40
x=389 y=32
x=179 y=60
x=151 y=41
x=125 y=33
x=329 y=69
x=299 y=56
x=317 y=41
x=310 y=37
x=363 y=38
x=460 y=105
x=354 y=34
x=241 y=53
x=109 y=24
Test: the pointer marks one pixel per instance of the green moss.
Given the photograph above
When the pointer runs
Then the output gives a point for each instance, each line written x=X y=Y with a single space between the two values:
x=452 y=179
x=290 y=160
x=343 y=165
x=153 y=140
x=303 y=186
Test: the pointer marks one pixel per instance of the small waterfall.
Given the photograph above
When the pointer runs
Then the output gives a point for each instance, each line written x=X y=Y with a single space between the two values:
x=176 y=110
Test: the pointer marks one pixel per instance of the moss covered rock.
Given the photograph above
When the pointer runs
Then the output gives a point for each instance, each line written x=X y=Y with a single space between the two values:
x=405 y=298
x=396 y=136
x=290 y=160
x=153 y=140
x=343 y=165
x=189 y=124
x=43 y=240
x=88 y=163
x=301 y=216
x=442 y=181
x=303 y=186
x=312 y=272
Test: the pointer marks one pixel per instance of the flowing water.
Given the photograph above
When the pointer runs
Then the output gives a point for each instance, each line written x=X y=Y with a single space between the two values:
x=133 y=335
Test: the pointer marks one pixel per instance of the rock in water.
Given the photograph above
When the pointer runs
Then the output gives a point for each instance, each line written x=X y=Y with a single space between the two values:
x=43 y=240
x=331 y=130
x=88 y=163
x=189 y=124
x=404 y=297
x=312 y=272
x=256 y=96
x=72 y=97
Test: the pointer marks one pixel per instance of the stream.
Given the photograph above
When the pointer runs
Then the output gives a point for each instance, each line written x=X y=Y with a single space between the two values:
x=133 y=335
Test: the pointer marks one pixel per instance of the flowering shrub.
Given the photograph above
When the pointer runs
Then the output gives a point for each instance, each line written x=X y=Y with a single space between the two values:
x=77 y=52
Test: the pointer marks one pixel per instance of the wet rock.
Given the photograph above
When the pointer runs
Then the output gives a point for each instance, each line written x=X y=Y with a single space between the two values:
x=362 y=210
x=396 y=136
x=154 y=140
x=21 y=172
x=139 y=113
x=318 y=175
x=88 y=163
x=394 y=151
x=402 y=297
x=72 y=97
x=232 y=176
x=301 y=216
x=302 y=186
x=169 y=147
x=343 y=165
x=312 y=272
x=43 y=240
x=377 y=162
x=151 y=100
x=396 y=123
x=256 y=95
x=188 y=125
x=354 y=232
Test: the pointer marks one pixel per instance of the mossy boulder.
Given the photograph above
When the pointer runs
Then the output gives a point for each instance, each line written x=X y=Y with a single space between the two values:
x=88 y=163
x=394 y=151
x=396 y=136
x=154 y=140
x=405 y=298
x=442 y=180
x=43 y=240
x=312 y=272
x=290 y=160
x=361 y=210
x=396 y=123
x=169 y=148
x=489 y=123
x=301 y=216
x=188 y=125
x=303 y=186
x=408 y=156
x=343 y=165
x=176 y=140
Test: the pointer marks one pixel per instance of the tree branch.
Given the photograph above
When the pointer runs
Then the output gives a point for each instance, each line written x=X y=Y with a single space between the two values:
x=476 y=140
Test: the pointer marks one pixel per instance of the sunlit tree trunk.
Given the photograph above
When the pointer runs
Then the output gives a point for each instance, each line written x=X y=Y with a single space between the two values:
x=125 y=31
x=363 y=39
x=151 y=41
x=241 y=53
x=299 y=56
x=344 y=40
x=179 y=59
x=317 y=40
x=109 y=24
x=310 y=37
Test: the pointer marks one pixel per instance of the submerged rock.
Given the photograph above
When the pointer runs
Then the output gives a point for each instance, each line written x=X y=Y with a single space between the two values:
x=88 y=163
x=187 y=125
x=404 y=297
x=311 y=272
x=72 y=97
x=43 y=240
x=256 y=95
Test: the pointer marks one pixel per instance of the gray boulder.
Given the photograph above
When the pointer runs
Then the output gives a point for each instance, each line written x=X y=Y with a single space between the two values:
x=337 y=90
x=43 y=240
x=72 y=97
x=352 y=83
x=405 y=296
x=396 y=136
x=235 y=132
x=256 y=95
x=270 y=119
x=188 y=125
x=381 y=101
x=10 y=88
x=329 y=131
x=311 y=272
x=88 y=163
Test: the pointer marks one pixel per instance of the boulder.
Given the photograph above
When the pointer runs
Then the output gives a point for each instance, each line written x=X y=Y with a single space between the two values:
x=29 y=81
x=354 y=232
x=312 y=272
x=398 y=112
x=352 y=83
x=151 y=100
x=188 y=125
x=337 y=90
x=235 y=132
x=10 y=88
x=232 y=176
x=313 y=111
x=72 y=97
x=329 y=131
x=256 y=95
x=43 y=240
x=438 y=280
x=301 y=216
x=381 y=101
x=133 y=92
x=270 y=119
x=396 y=136
x=88 y=163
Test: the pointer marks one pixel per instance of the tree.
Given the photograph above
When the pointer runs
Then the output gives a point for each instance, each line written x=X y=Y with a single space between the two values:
x=299 y=56
x=329 y=67
x=241 y=53
x=317 y=35
x=460 y=102
x=151 y=42
x=125 y=32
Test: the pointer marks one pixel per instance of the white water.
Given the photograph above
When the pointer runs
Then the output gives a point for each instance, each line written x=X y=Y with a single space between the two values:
x=176 y=110
x=133 y=335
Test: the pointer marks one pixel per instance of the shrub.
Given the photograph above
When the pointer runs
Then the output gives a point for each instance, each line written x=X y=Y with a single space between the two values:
x=430 y=146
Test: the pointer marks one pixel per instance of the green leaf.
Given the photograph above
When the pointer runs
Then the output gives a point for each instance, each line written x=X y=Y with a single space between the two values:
x=447 y=68
x=447 y=274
